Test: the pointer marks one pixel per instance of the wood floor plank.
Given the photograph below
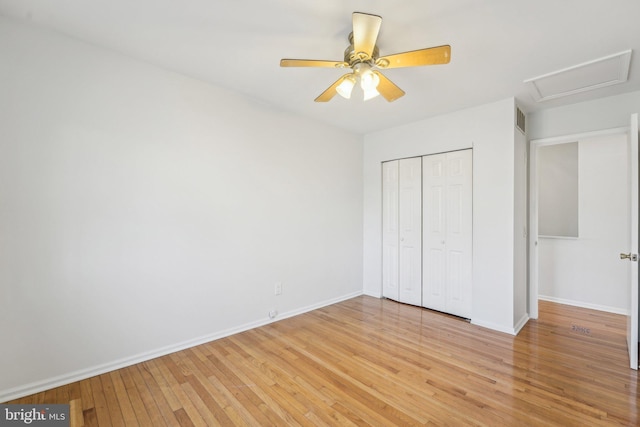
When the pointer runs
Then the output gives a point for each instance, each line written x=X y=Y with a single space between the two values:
x=90 y=418
x=101 y=408
x=86 y=394
x=135 y=397
x=244 y=393
x=115 y=411
x=190 y=411
x=149 y=398
x=75 y=405
x=183 y=418
x=367 y=376
x=278 y=365
x=76 y=419
x=280 y=392
x=49 y=396
x=156 y=394
x=213 y=409
x=283 y=404
x=374 y=362
x=163 y=377
x=128 y=414
x=199 y=391
x=300 y=399
x=335 y=386
x=196 y=399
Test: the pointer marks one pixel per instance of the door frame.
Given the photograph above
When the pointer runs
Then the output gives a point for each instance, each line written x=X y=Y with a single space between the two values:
x=535 y=144
x=632 y=317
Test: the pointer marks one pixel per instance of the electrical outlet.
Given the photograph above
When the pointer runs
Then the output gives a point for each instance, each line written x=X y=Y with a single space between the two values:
x=278 y=288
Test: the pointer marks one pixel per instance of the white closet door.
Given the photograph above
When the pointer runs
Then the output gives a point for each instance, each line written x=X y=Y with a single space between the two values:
x=447 y=223
x=390 y=234
x=410 y=211
x=458 y=236
x=434 y=238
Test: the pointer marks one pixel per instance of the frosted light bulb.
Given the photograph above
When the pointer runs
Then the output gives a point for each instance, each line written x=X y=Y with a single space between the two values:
x=345 y=88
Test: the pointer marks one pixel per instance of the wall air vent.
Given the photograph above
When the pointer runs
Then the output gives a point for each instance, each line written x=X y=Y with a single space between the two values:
x=521 y=121
x=602 y=72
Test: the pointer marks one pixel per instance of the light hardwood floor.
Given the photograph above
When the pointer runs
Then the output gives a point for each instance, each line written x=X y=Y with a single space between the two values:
x=375 y=362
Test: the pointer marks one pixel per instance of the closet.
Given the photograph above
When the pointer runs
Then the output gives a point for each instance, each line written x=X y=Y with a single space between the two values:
x=426 y=235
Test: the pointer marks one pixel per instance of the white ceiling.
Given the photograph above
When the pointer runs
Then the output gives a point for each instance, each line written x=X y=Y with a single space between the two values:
x=237 y=44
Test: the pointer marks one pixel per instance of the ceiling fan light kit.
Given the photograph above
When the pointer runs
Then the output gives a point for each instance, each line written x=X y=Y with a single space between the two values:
x=345 y=88
x=362 y=57
x=369 y=82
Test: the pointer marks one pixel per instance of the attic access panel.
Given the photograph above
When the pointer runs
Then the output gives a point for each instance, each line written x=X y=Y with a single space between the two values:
x=602 y=72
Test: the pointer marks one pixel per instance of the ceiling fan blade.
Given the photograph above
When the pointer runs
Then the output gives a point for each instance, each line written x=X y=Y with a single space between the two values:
x=365 y=32
x=387 y=88
x=428 y=56
x=331 y=91
x=312 y=63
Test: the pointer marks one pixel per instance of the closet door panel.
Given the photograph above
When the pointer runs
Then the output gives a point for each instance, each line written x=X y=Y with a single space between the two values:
x=434 y=212
x=410 y=206
x=390 y=231
x=447 y=226
x=459 y=232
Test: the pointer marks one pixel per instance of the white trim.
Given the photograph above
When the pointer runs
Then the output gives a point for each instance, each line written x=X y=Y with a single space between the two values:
x=495 y=327
x=373 y=294
x=564 y=139
x=38 y=386
x=581 y=304
x=533 y=232
x=520 y=324
x=543 y=236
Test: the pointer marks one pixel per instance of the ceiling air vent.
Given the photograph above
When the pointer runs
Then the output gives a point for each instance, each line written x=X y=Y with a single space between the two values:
x=521 y=120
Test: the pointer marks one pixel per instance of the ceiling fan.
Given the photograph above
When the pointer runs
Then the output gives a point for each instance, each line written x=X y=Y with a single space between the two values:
x=363 y=59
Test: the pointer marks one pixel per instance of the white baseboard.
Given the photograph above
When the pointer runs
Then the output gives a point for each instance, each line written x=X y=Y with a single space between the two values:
x=489 y=325
x=582 y=304
x=49 y=383
x=494 y=326
x=373 y=294
x=499 y=328
x=523 y=321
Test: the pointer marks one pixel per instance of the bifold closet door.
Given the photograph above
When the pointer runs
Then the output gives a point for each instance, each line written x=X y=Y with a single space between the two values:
x=390 y=234
x=447 y=237
x=402 y=230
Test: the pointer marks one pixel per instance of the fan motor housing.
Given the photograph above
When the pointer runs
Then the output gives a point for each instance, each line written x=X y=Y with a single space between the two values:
x=352 y=57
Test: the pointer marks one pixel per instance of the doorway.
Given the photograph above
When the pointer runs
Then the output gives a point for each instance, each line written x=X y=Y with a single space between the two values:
x=585 y=269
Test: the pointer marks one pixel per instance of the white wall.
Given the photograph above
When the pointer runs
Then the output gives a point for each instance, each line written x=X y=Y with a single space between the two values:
x=587 y=271
x=520 y=232
x=604 y=113
x=142 y=211
x=489 y=129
